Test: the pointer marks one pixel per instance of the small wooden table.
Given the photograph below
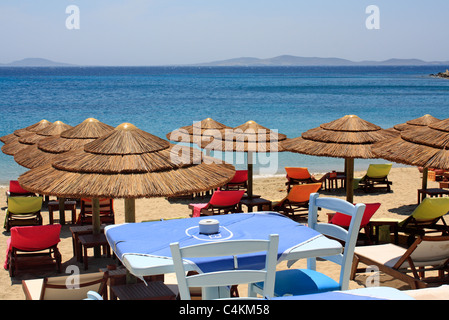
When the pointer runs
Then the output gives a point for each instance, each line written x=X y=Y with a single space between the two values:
x=432 y=192
x=256 y=202
x=376 y=223
x=68 y=205
x=91 y=241
x=76 y=232
x=155 y=290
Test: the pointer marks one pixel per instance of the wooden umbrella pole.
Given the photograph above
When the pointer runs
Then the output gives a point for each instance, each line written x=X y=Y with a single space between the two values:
x=250 y=174
x=96 y=223
x=349 y=166
x=61 y=211
x=425 y=172
x=130 y=210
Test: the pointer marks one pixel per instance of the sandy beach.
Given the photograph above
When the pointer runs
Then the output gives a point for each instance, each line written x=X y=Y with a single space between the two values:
x=397 y=204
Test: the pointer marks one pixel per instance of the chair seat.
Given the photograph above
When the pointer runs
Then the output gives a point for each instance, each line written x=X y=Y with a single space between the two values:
x=301 y=281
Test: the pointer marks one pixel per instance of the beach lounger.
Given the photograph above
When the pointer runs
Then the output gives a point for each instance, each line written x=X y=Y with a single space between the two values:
x=72 y=287
x=376 y=175
x=309 y=281
x=425 y=254
x=23 y=211
x=239 y=181
x=223 y=278
x=33 y=246
x=296 y=203
x=221 y=202
x=298 y=175
x=426 y=218
x=106 y=211
x=15 y=190
x=344 y=220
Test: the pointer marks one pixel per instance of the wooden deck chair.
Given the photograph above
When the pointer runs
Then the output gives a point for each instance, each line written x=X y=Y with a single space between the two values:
x=376 y=175
x=72 y=287
x=426 y=217
x=299 y=175
x=344 y=220
x=33 y=246
x=221 y=202
x=296 y=203
x=425 y=254
x=222 y=278
x=239 y=181
x=15 y=190
x=310 y=281
x=107 y=215
x=23 y=211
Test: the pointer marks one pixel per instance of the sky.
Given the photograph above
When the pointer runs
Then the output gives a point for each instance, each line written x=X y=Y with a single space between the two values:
x=166 y=32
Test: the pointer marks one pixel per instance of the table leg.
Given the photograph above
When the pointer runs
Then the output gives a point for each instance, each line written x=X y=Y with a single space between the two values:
x=50 y=214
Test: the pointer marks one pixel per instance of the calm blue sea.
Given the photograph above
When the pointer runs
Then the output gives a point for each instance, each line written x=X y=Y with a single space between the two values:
x=161 y=99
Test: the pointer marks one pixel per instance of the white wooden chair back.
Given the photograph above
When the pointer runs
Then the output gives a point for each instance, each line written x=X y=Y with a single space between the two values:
x=349 y=237
x=226 y=277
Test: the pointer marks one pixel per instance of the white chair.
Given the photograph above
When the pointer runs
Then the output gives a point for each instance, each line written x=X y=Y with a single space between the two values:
x=224 y=278
x=92 y=295
x=308 y=281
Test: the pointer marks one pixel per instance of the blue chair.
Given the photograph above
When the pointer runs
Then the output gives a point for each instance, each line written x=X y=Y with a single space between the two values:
x=223 y=278
x=309 y=281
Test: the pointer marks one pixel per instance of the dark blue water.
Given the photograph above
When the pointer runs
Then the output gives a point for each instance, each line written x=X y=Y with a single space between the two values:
x=161 y=99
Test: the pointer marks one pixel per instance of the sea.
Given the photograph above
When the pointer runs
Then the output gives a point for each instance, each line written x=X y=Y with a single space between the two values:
x=158 y=100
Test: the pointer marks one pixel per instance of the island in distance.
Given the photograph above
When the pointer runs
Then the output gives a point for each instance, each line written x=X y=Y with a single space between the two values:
x=35 y=62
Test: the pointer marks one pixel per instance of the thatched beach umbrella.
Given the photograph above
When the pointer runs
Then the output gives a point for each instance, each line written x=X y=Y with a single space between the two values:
x=423 y=121
x=349 y=137
x=249 y=137
x=127 y=163
x=426 y=147
x=11 y=140
x=31 y=138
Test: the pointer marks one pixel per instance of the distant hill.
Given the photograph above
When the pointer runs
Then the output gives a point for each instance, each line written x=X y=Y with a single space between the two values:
x=288 y=60
x=35 y=62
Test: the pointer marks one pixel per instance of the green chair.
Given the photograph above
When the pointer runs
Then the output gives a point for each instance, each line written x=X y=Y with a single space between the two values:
x=376 y=175
x=426 y=217
x=23 y=211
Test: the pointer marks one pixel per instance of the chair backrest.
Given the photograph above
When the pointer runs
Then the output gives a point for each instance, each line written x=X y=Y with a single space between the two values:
x=222 y=198
x=378 y=170
x=106 y=206
x=226 y=277
x=73 y=287
x=348 y=236
x=301 y=192
x=23 y=205
x=35 y=238
x=431 y=208
x=297 y=173
x=240 y=176
x=14 y=187
x=344 y=220
x=427 y=251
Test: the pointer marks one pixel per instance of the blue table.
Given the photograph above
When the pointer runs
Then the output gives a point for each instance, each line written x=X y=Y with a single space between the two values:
x=370 y=293
x=143 y=248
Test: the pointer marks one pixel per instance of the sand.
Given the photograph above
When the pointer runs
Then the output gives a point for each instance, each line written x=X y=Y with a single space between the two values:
x=397 y=204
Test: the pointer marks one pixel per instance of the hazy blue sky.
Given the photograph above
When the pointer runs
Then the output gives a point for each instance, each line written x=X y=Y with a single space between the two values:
x=157 y=32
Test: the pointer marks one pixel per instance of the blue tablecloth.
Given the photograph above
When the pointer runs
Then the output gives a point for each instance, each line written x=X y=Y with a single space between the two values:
x=154 y=238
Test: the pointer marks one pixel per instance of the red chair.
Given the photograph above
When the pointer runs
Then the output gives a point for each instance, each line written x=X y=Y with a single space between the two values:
x=16 y=190
x=344 y=221
x=221 y=202
x=107 y=215
x=239 y=181
x=33 y=245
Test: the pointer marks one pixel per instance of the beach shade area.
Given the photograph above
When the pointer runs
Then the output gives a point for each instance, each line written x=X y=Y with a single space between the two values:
x=194 y=133
x=127 y=163
x=11 y=140
x=349 y=137
x=427 y=147
x=249 y=138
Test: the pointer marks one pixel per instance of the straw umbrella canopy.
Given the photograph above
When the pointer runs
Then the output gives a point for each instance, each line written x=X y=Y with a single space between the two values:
x=194 y=133
x=18 y=145
x=349 y=137
x=425 y=120
x=249 y=137
x=127 y=163
x=11 y=140
x=427 y=147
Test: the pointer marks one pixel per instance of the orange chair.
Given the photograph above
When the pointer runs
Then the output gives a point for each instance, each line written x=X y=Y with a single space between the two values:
x=298 y=175
x=221 y=202
x=297 y=200
x=106 y=211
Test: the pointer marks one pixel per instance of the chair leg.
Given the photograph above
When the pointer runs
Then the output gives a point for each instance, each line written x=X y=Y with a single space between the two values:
x=355 y=264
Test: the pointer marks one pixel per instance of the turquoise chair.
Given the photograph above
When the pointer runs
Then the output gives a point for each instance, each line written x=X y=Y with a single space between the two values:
x=224 y=278
x=309 y=281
